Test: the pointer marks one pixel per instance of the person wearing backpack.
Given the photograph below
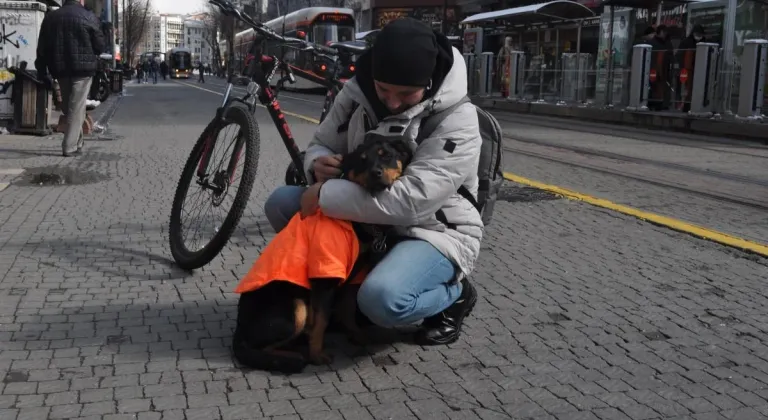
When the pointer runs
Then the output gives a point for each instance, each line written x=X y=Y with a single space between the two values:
x=410 y=75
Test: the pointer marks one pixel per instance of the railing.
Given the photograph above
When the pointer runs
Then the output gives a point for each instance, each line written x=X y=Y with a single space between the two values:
x=667 y=86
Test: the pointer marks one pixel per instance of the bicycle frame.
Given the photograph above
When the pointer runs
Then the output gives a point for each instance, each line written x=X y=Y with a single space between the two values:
x=267 y=98
x=260 y=70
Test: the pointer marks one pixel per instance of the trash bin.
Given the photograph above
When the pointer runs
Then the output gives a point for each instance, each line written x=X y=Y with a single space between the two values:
x=116 y=80
x=32 y=103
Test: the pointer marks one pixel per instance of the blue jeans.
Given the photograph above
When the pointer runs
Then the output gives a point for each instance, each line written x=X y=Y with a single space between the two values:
x=413 y=281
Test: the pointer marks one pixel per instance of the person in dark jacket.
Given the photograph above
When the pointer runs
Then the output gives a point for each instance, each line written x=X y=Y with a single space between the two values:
x=661 y=63
x=201 y=70
x=68 y=49
x=147 y=69
x=164 y=69
x=686 y=59
x=139 y=73
x=154 y=68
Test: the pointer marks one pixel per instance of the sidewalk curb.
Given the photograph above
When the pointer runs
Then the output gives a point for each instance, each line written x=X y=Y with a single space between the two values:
x=109 y=113
x=656 y=219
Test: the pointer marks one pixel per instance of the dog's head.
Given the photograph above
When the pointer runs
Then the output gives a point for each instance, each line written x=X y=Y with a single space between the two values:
x=377 y=163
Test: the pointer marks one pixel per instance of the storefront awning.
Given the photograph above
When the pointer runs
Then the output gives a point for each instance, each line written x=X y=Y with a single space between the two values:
x=553 y=10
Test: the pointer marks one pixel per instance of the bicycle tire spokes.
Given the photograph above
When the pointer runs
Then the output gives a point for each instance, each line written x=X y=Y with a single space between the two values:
x=237 y=152
x=216 y=185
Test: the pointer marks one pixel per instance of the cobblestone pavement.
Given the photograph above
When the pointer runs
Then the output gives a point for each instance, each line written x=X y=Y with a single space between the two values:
x=730 y=158
x=583 y=313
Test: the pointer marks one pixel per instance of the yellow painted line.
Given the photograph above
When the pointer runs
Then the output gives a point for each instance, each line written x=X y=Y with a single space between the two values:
x=674 y=224
x=11 y=171
x=4 y=185
x=292 y=114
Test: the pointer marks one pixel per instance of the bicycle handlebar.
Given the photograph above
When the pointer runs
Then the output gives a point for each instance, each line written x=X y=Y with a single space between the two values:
x=230 y=10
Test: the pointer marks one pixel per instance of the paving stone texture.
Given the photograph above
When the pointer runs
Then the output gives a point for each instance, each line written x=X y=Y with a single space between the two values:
x=584 y=314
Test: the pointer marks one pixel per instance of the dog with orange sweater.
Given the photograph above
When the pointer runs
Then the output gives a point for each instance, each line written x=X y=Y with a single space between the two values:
x=291 y=288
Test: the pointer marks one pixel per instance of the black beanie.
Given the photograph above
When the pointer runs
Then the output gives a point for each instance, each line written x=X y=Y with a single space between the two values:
x=405 y=53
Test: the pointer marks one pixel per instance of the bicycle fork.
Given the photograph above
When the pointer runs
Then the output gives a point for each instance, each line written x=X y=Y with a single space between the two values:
x=210 y=142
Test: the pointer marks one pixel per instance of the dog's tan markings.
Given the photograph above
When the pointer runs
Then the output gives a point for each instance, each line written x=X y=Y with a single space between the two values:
x=392 y=174
x=300 y=313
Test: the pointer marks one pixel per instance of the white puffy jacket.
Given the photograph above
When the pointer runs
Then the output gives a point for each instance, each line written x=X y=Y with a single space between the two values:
x=429 y=183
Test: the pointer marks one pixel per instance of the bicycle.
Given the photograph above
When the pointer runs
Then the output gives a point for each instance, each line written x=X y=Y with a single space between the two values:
x=217 y=177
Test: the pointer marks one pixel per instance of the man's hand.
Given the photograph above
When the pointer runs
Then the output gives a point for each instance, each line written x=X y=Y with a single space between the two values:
x=327 y=167
x=310 y=200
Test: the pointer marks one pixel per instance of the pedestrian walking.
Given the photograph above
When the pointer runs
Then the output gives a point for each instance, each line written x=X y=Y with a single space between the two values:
x=164 y=69
x=201 y=70
x=139 y=73
x=146 y=69
x=68 y=49
x=155 y=68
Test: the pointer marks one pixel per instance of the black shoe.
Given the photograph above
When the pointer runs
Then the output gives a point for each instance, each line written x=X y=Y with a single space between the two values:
x=445 y=327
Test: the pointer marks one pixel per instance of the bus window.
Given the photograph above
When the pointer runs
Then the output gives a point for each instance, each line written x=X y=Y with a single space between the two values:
x=323 y=33
x=346 y=33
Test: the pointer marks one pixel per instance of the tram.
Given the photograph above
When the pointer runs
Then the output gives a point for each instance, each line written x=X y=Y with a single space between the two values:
x=319 y=25
x=179 y=62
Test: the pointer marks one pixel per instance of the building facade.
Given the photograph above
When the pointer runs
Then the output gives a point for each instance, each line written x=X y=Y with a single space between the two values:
x=194 y=39
x=165 y=31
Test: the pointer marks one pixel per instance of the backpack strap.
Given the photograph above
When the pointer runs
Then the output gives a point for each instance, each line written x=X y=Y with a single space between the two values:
x=468 y=196
x=367 y=124
x=430 y=123
x=428 y=126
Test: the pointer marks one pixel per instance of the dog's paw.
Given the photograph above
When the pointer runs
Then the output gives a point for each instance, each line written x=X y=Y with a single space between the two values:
x=321 y=358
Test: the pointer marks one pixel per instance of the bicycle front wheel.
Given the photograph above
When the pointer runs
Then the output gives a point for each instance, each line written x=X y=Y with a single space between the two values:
x=214 y=188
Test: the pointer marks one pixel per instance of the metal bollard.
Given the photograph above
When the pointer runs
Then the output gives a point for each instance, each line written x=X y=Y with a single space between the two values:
x=753 y=61
x=574 y=79
x=705 y=79
x=486 y=74
x=639 y=77
x=516 y=75
x=471 y=61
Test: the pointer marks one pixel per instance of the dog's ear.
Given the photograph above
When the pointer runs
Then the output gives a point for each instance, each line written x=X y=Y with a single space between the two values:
x=403 y=149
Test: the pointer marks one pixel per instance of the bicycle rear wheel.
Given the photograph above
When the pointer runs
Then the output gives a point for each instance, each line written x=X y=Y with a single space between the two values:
x=215 y=175
x=330 y=96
